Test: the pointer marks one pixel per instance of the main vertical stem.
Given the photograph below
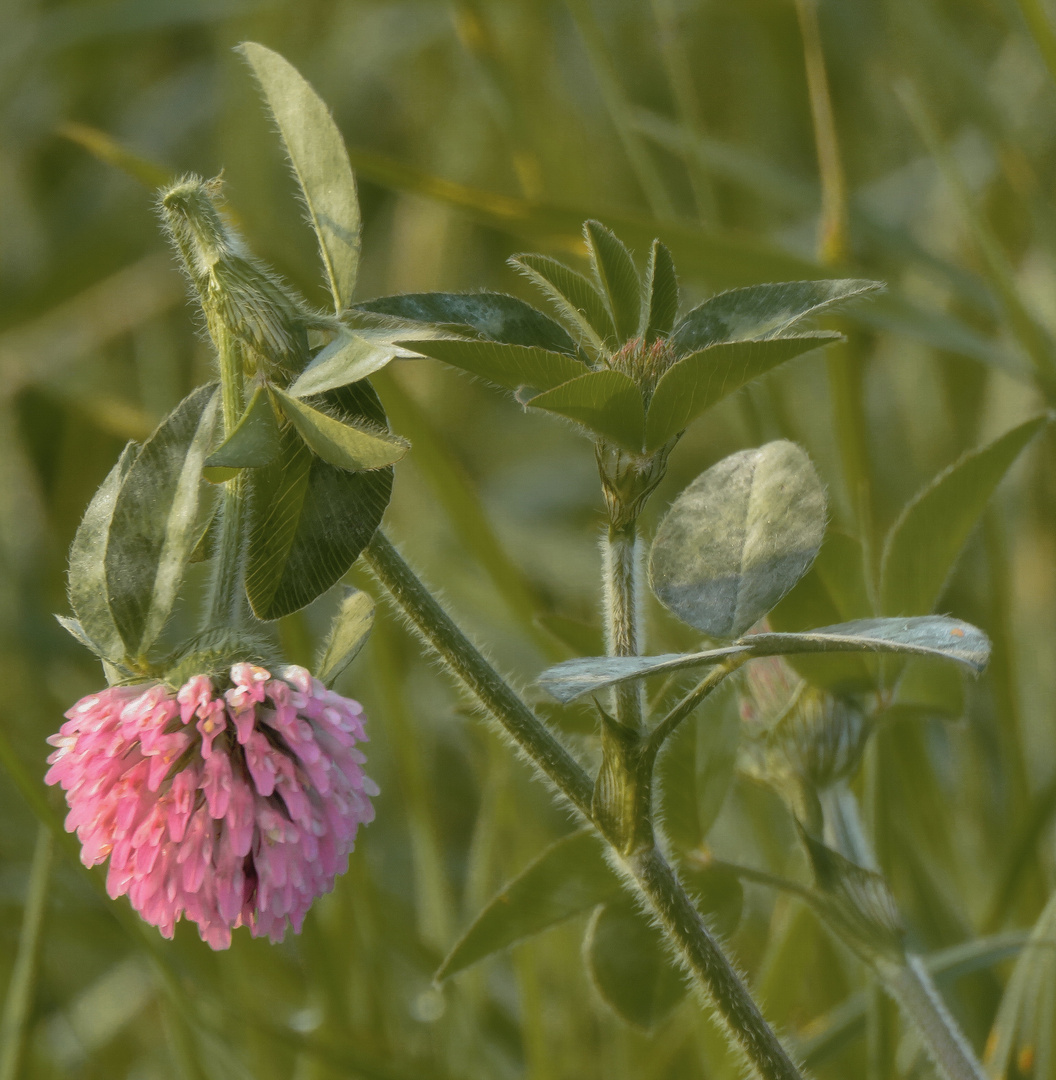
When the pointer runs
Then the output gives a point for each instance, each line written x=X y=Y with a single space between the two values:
x=227 y=593
x=622 y=605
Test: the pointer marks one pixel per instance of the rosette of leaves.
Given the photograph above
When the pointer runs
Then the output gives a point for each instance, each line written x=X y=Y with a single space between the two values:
x=310 y=443
x=616 y=359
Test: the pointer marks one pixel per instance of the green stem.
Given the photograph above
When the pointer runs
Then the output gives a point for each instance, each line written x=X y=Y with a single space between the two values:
x=438 y=630
x=654 y=877
x=227 y=591
x=622 y=572
x=20 y=991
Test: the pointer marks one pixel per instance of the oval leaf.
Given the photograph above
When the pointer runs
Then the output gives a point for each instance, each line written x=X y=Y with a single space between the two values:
x=347 y=359
x=254 y=442
x=925 y=541
x=158 y=520
x=308 y=519
x=511 y=366
x=87 y=574
x=574 y=298
x=617 y=278
x=607 y=402
x=496 y=316
x=348 y=635
x=569 y=877
x=629 y=965
x=738 y=538
x=320 y=163
x=704 y=378
x=343 y=445
x=662 y=293
x=762 y=311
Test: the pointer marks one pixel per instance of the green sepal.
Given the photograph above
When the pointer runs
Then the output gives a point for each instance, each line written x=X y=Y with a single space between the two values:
x=661 y=287
x=254 y=442
x=762 y=311
x=341 y=444
x=704 y=378
x=87 y=574
x=609 y=403
x=616 y=278
x=160 y=514
x=309 y=520
x=348 y=634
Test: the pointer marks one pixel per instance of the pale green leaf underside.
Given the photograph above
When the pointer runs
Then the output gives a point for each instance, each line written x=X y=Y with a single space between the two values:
x=569 y=877
x=348 y=634
x=924 y=542
x=511 y=366
x=320 y=163
x=704 y=378
x=616 y=275
x=347 y=359
x=157 y=520
x=928 y=635
x=738 y=538
x=763 y=311
x=607 y=402
x=254 y=441
x=342 y=445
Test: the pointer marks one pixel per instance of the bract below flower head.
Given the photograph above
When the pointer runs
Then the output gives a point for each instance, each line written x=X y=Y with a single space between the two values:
x=234 y=806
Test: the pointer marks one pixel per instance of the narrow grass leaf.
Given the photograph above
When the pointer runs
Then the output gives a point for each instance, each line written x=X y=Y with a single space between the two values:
x=704 y=378
x=496 y=316
x=923 y=544
x=344 y=445
x=661 y=286
x=763 y=311
x=607 y=402
x=348 y=634
x=574 y=298
x=569 y=877
x=87 y=573
x=617 y=278
x=511 y=366
x=255 y=439
x=738 y=538
x=159 y=515
x=320 y=163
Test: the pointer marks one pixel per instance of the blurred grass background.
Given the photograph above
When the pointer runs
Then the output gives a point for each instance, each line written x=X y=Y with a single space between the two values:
x=478 y=129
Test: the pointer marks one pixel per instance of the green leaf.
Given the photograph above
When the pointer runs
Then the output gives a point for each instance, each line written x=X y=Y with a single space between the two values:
x=320 y=163
x=568 y=878
x=607 y=402
x=762 y=311
x=496 y=316
x=308 y=519
x=347 y=359
x=574 y=297
x=158 y=519
x=344 y=445
x=254 y=441
x=630 y=966
x=348 y=635
x=926 y=635
x=704 y=378
x=662 y=290
x=616 y=277
x=87 y=574
x=511 y=366
x=738 y=538
x=924 y=542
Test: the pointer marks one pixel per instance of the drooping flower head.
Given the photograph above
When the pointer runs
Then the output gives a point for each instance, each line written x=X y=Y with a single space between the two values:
x=230 y=801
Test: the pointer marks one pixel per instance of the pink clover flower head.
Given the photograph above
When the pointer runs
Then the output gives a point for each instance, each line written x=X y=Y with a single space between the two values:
x=233 y=807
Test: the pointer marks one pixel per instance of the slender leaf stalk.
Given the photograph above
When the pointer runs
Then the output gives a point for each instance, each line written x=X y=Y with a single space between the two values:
x=653 y=876
x=19 y=998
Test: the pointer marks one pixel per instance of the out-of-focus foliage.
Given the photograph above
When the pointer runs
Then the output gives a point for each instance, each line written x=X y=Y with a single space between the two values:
x=477 y=129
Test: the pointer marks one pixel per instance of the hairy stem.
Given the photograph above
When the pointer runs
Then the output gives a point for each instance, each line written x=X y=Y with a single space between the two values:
x=438 y=630
x=227 y=590
x=713 y=972
x=655 y=879
x=622 y=570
